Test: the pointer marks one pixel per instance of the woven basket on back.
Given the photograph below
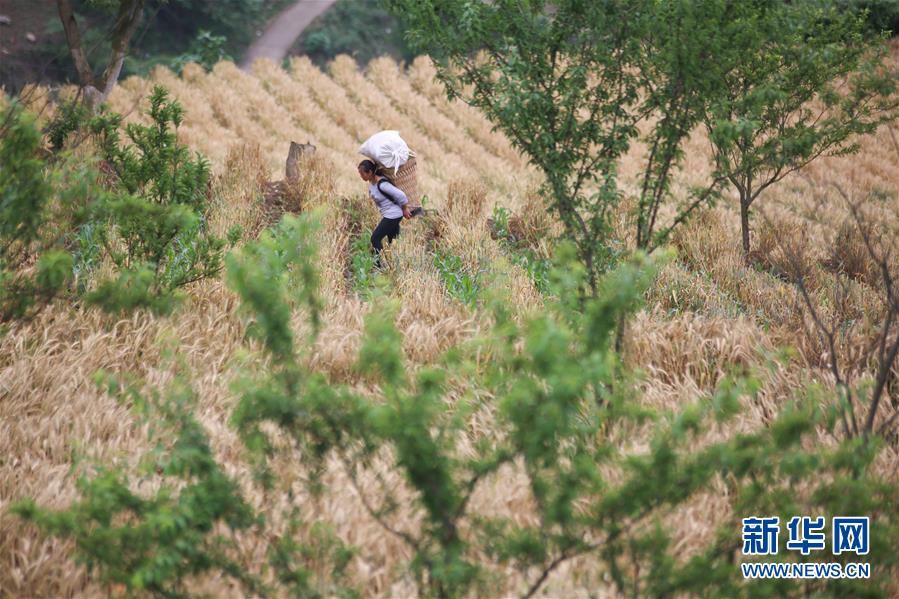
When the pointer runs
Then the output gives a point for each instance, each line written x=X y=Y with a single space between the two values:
x=406 y=179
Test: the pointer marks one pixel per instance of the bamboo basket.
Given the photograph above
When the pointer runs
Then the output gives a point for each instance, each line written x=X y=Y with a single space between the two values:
x=406 y=178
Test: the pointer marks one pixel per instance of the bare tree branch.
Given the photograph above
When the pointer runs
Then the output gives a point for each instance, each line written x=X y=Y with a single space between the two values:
x=96 y=90
x=73 y=39
x=880 y=242
x=126 y=24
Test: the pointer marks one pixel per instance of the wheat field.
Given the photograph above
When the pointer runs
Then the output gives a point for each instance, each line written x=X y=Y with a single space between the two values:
x=706 y=313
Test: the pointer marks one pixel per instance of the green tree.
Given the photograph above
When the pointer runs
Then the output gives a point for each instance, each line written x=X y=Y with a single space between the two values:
x=810 y=81
x=96 y=89
x=570 y=82
x=148 y=219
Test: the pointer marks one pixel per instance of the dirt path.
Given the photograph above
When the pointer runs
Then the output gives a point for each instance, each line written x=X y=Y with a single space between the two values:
x=283 y=30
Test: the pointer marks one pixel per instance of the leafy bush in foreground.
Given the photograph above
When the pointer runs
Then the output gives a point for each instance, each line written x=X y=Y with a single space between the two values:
x=562 y=410
x=40 y=202
x=147 y=221
x=154 y=543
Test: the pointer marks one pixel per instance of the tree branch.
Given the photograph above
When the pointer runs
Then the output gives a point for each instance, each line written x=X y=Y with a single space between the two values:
x=126 y=24
x=73 y=39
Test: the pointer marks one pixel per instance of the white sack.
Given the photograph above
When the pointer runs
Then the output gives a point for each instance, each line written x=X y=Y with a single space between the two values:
x=387 y=148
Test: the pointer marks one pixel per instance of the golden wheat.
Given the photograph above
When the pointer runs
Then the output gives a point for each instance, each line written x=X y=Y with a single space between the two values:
x=707 y=312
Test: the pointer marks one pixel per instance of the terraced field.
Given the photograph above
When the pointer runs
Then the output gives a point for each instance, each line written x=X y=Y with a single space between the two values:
x=707 y=312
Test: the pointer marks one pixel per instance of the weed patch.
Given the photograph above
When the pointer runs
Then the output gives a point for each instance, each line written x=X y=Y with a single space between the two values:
x=460 y=282
x=517 y=251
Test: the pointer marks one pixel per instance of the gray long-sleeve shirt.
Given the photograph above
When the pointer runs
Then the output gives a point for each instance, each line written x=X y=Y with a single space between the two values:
x=388 y=208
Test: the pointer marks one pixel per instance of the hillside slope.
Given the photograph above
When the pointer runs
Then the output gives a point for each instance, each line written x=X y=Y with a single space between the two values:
x=707 y=313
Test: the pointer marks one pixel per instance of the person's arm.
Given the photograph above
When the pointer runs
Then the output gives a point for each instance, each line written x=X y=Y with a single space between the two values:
x=395 y=193
x=398 y=195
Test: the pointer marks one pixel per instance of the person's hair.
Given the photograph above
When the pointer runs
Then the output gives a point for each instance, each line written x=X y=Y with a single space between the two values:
x=370 y=167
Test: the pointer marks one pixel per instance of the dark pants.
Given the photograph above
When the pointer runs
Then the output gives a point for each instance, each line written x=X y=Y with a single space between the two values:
x=389 y=228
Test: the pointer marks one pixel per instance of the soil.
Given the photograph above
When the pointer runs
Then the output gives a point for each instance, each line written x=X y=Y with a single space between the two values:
x=273 y=207
x=23 y=61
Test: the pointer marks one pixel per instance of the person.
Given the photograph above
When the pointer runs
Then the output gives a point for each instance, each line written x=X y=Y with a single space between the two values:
x=391 y=201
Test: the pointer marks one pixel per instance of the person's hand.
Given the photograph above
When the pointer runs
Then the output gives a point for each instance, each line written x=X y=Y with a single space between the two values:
x=406 y=212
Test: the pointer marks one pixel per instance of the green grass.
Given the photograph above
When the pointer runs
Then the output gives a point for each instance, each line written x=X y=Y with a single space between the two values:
x=362 y=263
x=536 y=266
x=460 y=282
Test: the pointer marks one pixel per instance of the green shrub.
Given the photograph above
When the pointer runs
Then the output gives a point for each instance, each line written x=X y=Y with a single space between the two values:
x=153 y=226
x=880 y=15
x=318 y=42
x=71 y=116
x=58 y=224
x=206 y=50
x=154 y=543
x=562 y=409
x=41 y=203
x=360 y=28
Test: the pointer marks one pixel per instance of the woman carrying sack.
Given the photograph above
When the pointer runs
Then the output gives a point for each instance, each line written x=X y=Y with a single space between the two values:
x=391 y=201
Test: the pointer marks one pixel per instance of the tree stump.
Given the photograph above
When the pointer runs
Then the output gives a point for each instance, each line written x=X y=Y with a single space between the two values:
x=296 y=152
x=274 y=193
